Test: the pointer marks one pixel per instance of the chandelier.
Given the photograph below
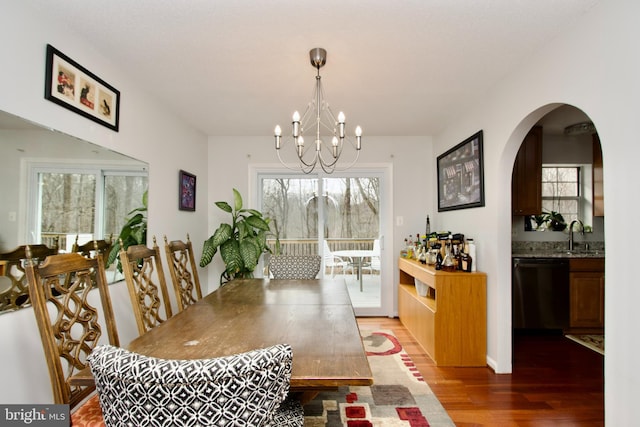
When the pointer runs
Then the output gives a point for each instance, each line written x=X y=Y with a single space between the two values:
x=319 y=119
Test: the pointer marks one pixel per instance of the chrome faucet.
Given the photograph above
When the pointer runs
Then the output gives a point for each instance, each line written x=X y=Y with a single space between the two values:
x=571 y=242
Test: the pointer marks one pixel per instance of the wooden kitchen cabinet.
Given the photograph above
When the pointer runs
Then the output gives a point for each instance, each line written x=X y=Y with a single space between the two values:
x=598 y=182
x=586 y=284
x=526 y=182
x=450 y=323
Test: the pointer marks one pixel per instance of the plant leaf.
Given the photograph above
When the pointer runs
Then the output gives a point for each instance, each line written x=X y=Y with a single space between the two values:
x=208 y=251
x=257 y=222
x=250 y=252
x=230 y=252
x=221 y=235
x=224 y=206
x=261 y=239
x=237 y=199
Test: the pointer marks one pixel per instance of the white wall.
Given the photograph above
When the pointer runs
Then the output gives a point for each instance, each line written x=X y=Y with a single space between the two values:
x=593 y=67
x=147 y=132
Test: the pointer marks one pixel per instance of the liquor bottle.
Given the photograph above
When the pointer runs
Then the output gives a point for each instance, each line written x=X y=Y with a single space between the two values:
x=436 y=247
x=457 y=253
x=466 y=261
x=428 y=228
x=472 y=254
x=447 y=262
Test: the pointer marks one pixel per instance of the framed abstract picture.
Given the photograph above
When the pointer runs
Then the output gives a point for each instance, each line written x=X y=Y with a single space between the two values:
x=460 y=175
x=72 y=86
x=187 y=196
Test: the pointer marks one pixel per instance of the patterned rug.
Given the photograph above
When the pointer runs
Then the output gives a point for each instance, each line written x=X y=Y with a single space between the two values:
x=594 y=342
x=398 y=397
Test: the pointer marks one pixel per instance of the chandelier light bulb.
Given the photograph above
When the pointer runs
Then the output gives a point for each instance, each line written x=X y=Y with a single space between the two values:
x=278 y=133
x=296 y=124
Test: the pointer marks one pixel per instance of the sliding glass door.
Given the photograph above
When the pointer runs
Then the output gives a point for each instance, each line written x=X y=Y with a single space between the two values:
x=335 y=216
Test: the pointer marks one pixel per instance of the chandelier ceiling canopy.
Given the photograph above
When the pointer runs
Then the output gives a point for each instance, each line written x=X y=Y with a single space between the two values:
x=326 y=132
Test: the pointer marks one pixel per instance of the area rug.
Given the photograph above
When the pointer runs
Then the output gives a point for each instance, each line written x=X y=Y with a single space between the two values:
x=594 y=342
x=398 y=397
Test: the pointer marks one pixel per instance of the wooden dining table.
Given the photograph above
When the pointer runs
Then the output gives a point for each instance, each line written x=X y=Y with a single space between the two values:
x=315 y=317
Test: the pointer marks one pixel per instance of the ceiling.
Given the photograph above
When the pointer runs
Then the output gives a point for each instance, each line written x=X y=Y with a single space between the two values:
x=239 y=67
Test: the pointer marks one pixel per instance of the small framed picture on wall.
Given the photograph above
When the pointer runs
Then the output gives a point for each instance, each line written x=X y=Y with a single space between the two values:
x=187 y=196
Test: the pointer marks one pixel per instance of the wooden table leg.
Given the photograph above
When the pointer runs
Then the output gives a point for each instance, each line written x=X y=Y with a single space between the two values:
x=307 y=396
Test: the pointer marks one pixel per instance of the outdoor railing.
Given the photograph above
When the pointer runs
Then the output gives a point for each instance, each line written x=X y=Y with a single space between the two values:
x=310 y=246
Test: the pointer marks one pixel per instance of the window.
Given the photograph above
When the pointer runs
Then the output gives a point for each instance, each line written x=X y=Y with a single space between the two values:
x=562 y=191
x=91 y=202
x=350 y=208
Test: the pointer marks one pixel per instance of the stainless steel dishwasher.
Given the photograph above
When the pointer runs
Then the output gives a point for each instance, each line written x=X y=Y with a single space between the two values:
x=540 y=293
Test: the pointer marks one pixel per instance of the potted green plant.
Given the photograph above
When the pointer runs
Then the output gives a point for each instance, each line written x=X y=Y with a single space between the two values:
x=133 y=232
x=540 y=220
x=555 y=220
x=240 y=243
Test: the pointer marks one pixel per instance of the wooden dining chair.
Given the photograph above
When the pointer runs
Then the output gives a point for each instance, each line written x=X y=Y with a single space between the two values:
x=247 y=389
x=295 y=266
x=92 y=247
x=70 y=325
x=184 y=273
x=17 y=296
x=144 y=274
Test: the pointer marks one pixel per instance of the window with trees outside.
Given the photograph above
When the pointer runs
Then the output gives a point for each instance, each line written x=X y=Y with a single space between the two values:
x=349 y=211
x=90 y=203
x=561 y=191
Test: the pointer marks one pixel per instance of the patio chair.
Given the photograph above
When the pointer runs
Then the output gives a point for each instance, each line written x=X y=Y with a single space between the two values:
x=333 y=262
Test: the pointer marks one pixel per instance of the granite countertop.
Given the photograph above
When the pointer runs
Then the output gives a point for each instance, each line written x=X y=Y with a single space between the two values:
x=560 y=254
x=558 y=249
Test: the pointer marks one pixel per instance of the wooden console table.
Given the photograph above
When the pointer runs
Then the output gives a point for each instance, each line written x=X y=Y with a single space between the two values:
x=450 y=323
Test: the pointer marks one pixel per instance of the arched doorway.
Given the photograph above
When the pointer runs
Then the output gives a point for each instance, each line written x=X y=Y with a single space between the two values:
x=552 y=291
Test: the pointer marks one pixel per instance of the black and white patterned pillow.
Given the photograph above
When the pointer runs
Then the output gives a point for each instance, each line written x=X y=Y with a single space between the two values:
x=241 y=390
x=295 y=266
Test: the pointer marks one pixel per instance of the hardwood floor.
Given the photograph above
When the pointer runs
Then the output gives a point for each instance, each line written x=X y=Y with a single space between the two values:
x=555 y=382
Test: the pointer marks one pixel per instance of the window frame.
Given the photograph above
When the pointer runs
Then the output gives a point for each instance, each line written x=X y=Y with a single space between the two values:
x=584 y=187
x=32 y=229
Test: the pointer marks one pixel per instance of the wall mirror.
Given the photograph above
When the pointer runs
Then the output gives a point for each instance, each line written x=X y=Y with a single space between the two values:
x=57 y=189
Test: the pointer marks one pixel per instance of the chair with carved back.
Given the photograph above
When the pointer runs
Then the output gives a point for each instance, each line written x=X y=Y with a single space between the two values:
x=144 y=274
x=17 y=296
x=184 y=273
x=71 y=325
x=92 y=247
